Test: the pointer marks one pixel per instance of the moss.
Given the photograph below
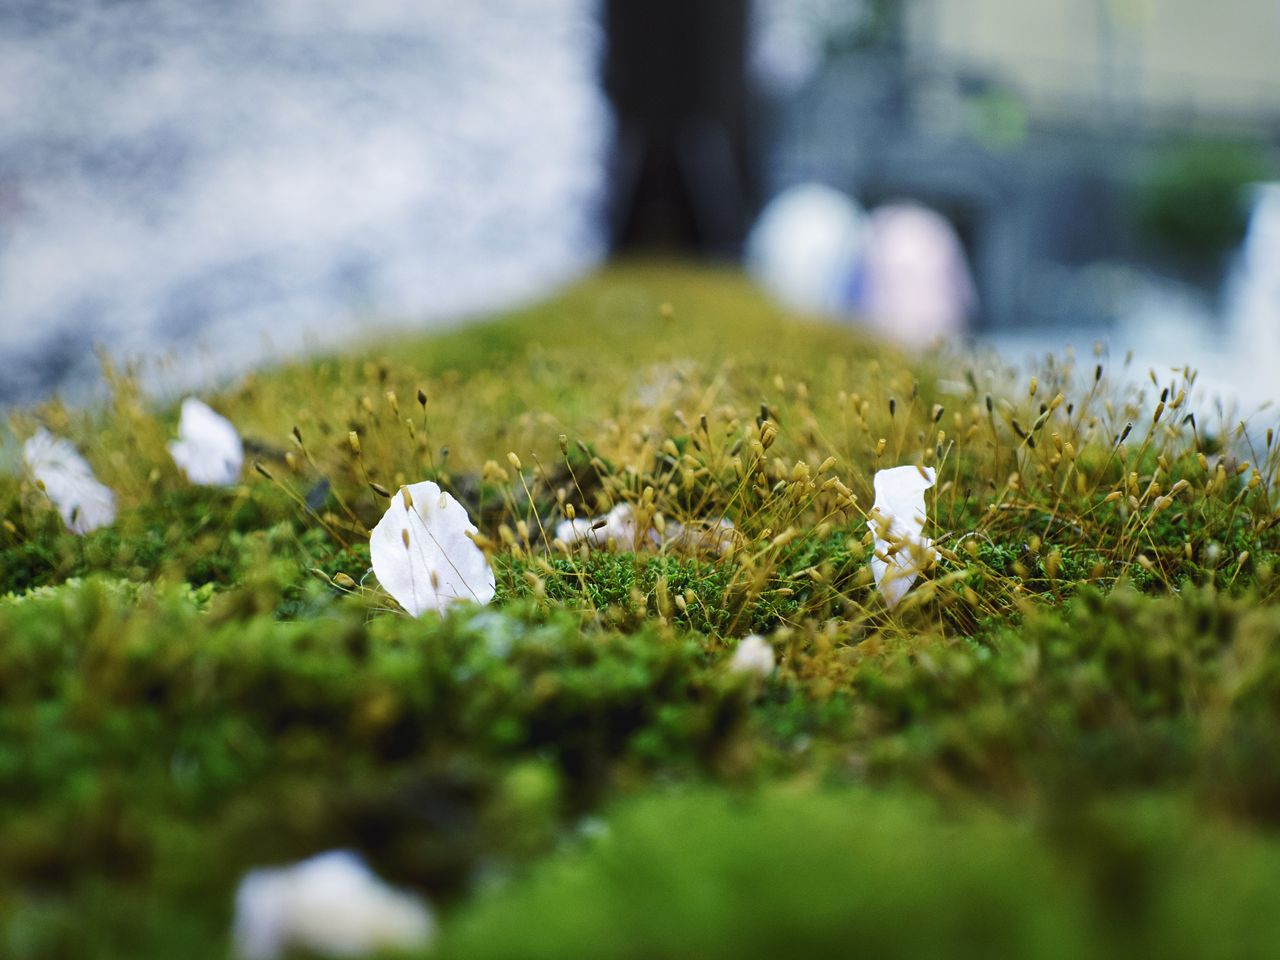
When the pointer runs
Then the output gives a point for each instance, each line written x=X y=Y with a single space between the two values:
x=163 y=749
x=216 y=681
x=793 y=871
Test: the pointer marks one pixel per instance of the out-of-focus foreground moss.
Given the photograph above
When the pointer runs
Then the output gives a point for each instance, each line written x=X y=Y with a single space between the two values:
x=1066 y=740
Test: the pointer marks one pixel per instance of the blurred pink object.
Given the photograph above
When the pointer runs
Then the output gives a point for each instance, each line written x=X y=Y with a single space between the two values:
x=917 y=284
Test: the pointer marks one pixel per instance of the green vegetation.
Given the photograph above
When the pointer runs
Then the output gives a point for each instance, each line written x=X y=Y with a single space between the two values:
x=1192 y=203
x=1065 y=741
x=857 y=872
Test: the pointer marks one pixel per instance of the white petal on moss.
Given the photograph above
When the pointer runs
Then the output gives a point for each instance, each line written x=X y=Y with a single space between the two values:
x=714 y=536
x=754 y=655
x=83 y=501
x=572 y=532
x=897 y=521
x=330 y=905
x=208 y=449
x=618 y=529
x=441 y=564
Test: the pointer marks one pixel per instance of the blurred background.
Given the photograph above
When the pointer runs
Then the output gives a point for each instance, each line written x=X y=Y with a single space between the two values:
x=227 y=183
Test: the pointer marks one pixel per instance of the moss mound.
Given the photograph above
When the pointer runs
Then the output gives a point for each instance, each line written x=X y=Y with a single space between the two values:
x=1071 y=720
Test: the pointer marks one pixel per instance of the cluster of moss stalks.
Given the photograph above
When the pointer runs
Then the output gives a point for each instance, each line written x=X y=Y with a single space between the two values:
x=1065 y=741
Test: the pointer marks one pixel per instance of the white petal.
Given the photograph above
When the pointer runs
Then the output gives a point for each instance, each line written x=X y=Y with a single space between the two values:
x=261 y=920
x=895 y=577
x=208 y=449
x=620 y=528
x=754 y=655
x=441 y=563
x=897 y=521
x=331 y=905
x=715 y=536
x=84 y=503
x=616 y=528
x=575 y=531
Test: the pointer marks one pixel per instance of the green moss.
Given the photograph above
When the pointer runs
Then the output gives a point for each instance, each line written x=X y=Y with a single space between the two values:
x=162 y=749
x=794 y=872
x=216 y=681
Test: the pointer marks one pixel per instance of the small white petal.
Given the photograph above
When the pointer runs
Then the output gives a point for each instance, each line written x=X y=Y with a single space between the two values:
x=574 y=531
x=617 y=527
x=715 y=536
x=208 y=449
x=83 y=501
x=754 y=655
x=331 y=905
x=897 y=521
x=441 y=564
x=620 y=527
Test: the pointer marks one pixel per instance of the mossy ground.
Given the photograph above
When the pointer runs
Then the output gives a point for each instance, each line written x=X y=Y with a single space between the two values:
x=1065 y=741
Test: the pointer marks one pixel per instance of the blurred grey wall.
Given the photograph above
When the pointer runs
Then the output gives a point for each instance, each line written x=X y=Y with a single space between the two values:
x=1187 y=60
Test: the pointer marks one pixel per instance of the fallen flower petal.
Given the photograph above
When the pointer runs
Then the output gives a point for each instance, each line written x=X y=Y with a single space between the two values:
x=423 y=554
x=208 y=449
x=754 y=655
x=330 y=904
x=572 y=532
x=715 y=536
x=897 y=521
x=619 y=530
x=83 y=501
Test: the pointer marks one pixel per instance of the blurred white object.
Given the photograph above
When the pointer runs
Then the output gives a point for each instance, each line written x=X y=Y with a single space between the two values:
x=917 y=284
x=423 y=555
x=1254 y=297
x=897 y=522
x=208 y=449
x=805 y=247
x=83 y=501
x=330 y=904
x=754 y=655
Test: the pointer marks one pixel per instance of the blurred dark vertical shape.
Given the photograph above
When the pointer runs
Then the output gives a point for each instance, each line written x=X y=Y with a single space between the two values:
x=676 y=75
